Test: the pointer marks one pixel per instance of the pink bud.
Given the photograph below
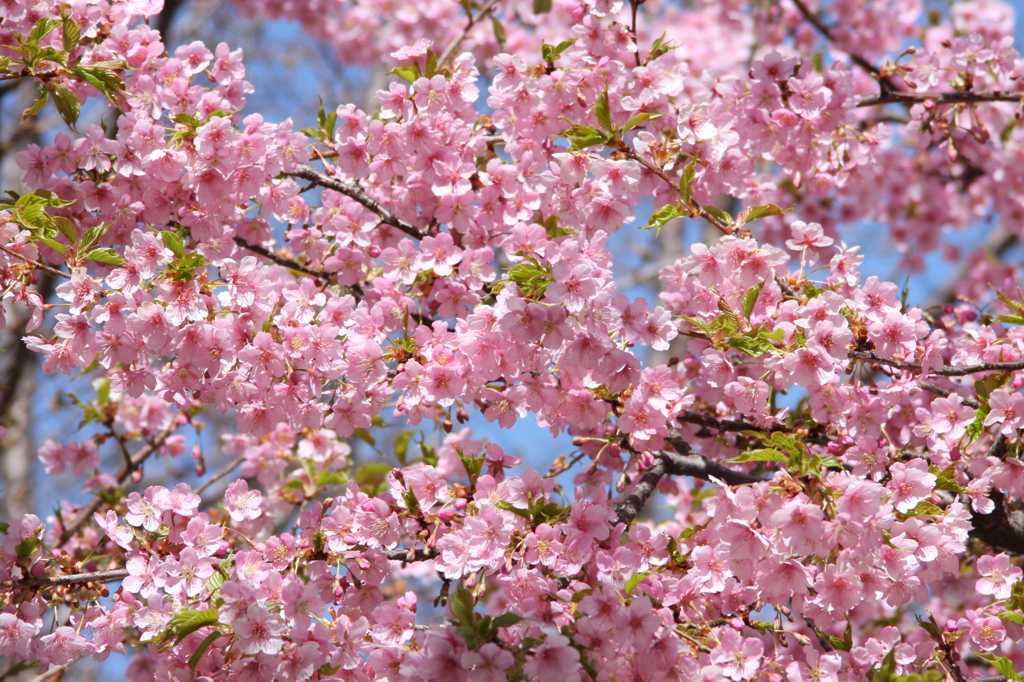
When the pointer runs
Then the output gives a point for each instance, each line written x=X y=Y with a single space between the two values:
x=737 y=624
x=460 y=504
x=373 y=251
x=445 y=515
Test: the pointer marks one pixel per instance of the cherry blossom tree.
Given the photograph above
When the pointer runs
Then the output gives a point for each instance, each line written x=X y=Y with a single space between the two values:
x=841 y=470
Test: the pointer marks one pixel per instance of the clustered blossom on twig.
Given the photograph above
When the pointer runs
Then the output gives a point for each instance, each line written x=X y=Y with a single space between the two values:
x=430 y=276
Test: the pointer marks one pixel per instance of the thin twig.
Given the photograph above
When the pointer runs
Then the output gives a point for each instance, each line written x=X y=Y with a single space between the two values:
x=357 y=194
x=137 y=459
x=726 y=424
x=219 y=475
x=634 y=6
x=941 y=371
x=281 y=260
x=70 y=579
x=449 y=51
x=41 y=266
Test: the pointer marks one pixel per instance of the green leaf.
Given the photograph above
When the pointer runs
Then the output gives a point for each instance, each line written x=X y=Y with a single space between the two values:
x=661 y=216
x=186 y=621
x=1012 y=616
x=750 y=298
x=41 y=29
x=541 y=6
x=550 y=54
x=499 y=32
x=54 y=244
x=719 y=214
x=635 y=580
x=104 y=79
x=174 y=242
x=193 y=660
x=402 y=446
x=70 y=33
x=1010 y=319
x=642 y=117
x=506 y=620
x=749 y=215
x=103 y=392
x=1003 y=665
x=331 y=478
x=26 y=547
x=409 y=72
x=216 y=579
x=461 y=605
x=659 y=48
x=509 y=507
x=365 y=436
x=603 y=111
x=582 y=137
x=105 y=255
x=41 y=99
x=67 y=104
x=67 y=228
x=431 y=63
x=760 y=455
x=686 y=181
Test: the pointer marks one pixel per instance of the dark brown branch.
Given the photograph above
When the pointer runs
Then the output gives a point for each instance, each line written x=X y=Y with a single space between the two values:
x=357 y=194
x=37 y=264
x=683 y=462
x=410 y=555
x=71 y=579
x=726 y=424
x=945 y=393
x=941 y=371
x=1002 y=528
x=281 y=260
x=940 y=98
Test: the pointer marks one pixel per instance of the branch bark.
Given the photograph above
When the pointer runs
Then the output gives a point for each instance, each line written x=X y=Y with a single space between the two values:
x=71 y=578
x=683 y=462
x=357 y=194
x=940 y=98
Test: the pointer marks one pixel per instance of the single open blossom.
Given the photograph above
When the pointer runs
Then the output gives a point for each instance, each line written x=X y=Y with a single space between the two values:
x=997 y=575
x=258 y=631
x=241 y=502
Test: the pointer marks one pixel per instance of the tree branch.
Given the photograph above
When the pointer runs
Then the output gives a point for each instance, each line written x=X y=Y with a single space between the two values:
x=734 y=425
x=1003 y=529
x=70 y=579
x=281 y=260
x=410 y=555
x=357 y=194
x=683 y=462
x=37 y=264
x=939 y=98
x=941 y=371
